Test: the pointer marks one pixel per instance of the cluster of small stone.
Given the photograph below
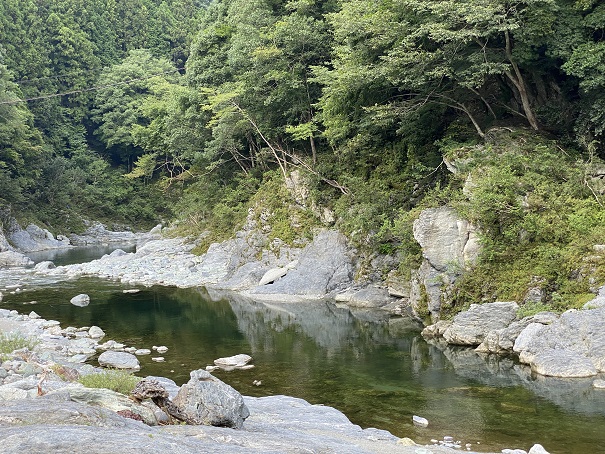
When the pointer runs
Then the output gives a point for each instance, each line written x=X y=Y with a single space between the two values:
x=74 y=346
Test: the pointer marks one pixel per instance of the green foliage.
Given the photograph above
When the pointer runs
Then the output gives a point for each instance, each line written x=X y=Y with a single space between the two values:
x=9 y=342
x=215 y=209
x=539 y=220
x=113 y=379
x=274 y=206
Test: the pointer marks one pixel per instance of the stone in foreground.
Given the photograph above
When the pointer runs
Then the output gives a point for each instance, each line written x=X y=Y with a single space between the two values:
x=209 y=401
x=119 y=360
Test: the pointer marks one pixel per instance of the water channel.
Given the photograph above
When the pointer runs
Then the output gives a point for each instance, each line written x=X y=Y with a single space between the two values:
x=378 y=371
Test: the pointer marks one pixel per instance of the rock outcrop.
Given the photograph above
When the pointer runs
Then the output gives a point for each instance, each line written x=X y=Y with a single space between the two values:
x=571 y=346
x=567 y=346
x=13 y=258
x=323 y=266
x=34 y=238
x=449 y=245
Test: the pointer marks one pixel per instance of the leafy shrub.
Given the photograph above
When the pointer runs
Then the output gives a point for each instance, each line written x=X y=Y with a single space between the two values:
x=116 y=380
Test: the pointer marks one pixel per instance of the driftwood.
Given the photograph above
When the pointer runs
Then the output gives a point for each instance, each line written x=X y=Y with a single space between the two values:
x=152 y=389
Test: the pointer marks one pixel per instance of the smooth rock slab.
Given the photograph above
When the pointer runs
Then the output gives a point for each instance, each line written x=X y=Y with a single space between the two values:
x=563 y=363
x=233 y=361
x=119 y=360
x=81 y=300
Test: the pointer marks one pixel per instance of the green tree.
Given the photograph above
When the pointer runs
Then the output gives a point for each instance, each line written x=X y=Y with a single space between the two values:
x=118 y=106
x=20 y=144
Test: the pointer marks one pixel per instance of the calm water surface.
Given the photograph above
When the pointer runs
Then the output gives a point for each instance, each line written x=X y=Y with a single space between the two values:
x=379 y=372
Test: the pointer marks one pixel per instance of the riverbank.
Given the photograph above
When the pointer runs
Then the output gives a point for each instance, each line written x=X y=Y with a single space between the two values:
x=42 y=408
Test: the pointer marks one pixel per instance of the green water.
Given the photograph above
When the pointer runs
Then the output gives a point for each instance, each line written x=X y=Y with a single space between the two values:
x=379 y=372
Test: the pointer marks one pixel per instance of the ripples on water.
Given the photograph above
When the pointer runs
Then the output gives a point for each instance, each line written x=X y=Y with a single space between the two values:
x=375 y=369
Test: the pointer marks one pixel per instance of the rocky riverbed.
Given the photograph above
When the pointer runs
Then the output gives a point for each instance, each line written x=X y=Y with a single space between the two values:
x=323 y=267
x=44 y=409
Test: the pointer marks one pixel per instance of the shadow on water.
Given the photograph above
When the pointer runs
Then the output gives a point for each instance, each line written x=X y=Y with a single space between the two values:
x=375 y=369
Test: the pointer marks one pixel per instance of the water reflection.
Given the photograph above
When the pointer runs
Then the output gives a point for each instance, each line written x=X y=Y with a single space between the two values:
x=79 y=254
x=376 y=369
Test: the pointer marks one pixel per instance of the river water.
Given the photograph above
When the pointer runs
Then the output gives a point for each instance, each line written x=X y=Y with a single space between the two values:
x=378 y=371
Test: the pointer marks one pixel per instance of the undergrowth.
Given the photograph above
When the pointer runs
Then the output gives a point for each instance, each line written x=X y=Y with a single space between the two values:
x=117 y=380
x=9 y=342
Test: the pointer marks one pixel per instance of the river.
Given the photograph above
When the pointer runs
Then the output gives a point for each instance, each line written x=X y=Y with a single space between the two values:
x=378 y=370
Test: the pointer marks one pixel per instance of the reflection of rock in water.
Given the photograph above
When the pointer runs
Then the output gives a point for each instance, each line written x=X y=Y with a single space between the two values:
x=577 y=394
x=331 y=327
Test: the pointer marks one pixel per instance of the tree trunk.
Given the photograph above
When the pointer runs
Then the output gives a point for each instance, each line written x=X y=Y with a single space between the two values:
x=313 y=149
x=519 y=83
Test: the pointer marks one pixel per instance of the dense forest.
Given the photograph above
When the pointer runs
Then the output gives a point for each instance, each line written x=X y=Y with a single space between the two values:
x=135 y=111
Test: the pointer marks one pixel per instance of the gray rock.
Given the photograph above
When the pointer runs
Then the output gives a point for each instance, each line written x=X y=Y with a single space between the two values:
x=108 y=399
x=169 y=385
x=368 y=297
x=33 y=238
x=119 y=360
x=81 y=300
x=210 y=401
x=472 y=326
x=449 y=245
x=563 y=363
x=503 y=340
x=273 y=275
x=599 y=384
x=437 y=329
x=46 y=265
x=571 y=346
x=537 y=449
x=233 y=362
x=324 y=265
x=446 y=240
x=12 y=258
x=526 y=336
x=96 y=333
x=54 y=424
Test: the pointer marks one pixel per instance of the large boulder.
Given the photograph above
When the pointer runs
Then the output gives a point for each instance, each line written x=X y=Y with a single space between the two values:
x=503 y=340
x=34 y=238
x=119 y=360
x=571 y=346
x=209 y=401
x=324 y=265
x=472 y=326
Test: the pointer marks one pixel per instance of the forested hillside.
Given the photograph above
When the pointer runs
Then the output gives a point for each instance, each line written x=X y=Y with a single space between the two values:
x=139 y=110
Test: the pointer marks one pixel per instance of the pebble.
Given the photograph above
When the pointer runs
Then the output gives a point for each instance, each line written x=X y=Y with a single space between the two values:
x=142 y=351
x=160 y=349
x=158 y=359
